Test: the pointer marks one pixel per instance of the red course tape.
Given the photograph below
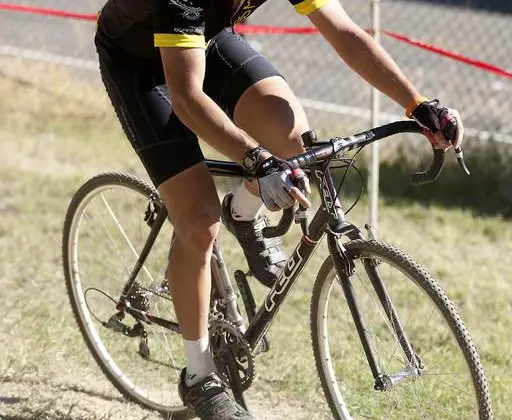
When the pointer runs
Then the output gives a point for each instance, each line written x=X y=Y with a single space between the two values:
x=266 y=29
x=454 y=56
x=47 y=12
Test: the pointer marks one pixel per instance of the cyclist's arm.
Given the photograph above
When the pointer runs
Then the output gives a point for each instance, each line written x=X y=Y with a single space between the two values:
x=184 y=73
x=360 y=51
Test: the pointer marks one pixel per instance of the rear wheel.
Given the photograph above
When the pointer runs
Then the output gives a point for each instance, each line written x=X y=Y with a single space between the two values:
x=106 y=226
x=448 y=379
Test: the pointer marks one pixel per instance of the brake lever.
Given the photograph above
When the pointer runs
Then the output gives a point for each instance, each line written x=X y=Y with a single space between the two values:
x=460 y=160
x=301 y=214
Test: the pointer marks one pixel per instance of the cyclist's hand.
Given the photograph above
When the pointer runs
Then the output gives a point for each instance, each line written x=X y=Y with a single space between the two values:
x=443 y=125
x=280 y=186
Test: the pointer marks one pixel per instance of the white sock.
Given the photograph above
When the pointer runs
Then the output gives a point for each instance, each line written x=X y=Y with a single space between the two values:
x=244 y=204
x=199 y=360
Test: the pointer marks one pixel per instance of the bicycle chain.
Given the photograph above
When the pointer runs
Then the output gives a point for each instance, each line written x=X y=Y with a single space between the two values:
x=227 y=342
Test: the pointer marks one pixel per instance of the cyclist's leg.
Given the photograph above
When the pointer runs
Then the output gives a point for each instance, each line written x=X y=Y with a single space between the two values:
x=193 y=205
x=171 y=154
x=270 y=113
x=253 y=93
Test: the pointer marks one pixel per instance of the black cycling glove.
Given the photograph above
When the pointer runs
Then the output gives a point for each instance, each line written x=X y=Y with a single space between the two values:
x=435 y=117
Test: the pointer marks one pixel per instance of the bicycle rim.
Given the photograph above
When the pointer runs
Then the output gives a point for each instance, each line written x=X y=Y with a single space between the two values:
x=105 y=230
x=451 y=383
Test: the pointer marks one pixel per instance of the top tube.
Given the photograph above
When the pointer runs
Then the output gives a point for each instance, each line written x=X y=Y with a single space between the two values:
x=321 y=151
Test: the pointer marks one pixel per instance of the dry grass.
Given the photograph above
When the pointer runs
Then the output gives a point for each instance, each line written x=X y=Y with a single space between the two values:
x=51 y=142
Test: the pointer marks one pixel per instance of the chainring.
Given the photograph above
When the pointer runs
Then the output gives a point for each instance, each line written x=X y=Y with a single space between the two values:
x=228 y=344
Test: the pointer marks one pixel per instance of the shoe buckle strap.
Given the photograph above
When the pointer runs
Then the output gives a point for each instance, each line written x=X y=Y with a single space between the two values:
x=275 y=256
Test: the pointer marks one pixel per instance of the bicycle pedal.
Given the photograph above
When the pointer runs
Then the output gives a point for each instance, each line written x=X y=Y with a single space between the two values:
x=250 y=306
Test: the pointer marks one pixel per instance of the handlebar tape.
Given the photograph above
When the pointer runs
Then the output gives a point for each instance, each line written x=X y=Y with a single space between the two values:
x=431 y=174
x=282 y=227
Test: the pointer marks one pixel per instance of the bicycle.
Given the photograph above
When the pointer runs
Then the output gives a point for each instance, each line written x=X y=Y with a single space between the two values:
x=413 y=356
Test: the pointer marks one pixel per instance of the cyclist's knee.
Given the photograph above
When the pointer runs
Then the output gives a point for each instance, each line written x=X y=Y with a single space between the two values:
x=194 y=209
x=295 y=135
x=196 y=231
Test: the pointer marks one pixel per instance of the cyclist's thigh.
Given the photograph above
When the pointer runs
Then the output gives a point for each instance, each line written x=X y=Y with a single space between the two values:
x=271 y=114
x=138 y=94
x=254 y=94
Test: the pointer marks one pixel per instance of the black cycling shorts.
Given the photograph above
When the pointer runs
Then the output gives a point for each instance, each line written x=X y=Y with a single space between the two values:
x=136 y=87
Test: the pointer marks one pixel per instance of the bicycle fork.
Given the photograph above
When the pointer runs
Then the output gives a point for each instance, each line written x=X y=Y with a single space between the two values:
x=345 y=269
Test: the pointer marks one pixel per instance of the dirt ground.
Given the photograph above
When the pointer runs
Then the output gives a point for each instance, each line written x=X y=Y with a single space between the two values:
x=88 y=396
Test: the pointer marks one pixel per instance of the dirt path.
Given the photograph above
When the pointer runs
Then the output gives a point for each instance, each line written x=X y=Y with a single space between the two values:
x=90 y=397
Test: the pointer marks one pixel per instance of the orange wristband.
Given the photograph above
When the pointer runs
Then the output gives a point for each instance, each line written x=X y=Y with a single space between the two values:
x=412 y=106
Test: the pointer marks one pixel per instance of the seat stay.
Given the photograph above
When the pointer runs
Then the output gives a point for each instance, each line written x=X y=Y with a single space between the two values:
x=156 y=226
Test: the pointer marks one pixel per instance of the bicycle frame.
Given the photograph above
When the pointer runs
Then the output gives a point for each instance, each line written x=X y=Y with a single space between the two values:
x=329 y=218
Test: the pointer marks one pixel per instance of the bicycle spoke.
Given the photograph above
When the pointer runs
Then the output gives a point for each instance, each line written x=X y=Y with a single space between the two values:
x=106 y=236
x=168 y=346
x=383 y=316
x=413 y=389
x=123 y=233
x=114 y=246
x=377 y=306
x=451 y=386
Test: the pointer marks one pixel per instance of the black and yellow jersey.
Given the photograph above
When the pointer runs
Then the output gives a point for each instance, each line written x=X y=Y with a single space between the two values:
x=192 y=22
x=181 y=23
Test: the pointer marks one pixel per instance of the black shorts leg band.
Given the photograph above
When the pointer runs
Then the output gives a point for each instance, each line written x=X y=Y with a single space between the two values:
x=251 y=72
x=232 y=67
x=169 y=159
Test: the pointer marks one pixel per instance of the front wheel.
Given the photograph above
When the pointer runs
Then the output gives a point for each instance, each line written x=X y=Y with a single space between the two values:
x=446 y=379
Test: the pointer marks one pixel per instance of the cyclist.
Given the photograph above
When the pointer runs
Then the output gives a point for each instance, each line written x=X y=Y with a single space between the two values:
x=168 y=87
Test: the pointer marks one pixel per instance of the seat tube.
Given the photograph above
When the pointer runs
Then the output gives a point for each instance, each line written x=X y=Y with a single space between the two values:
x=223 y=288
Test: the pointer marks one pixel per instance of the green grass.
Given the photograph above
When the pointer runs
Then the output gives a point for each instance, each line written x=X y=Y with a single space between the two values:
x=44 y=159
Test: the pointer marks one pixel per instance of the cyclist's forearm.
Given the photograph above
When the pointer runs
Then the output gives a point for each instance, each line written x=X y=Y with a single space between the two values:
x=184 y=74
x=205 y=118
x=360 y=51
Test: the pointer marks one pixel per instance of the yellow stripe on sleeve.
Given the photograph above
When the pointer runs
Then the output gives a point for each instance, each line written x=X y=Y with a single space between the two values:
x=180 y=40
x=98 y=13
x=308 y=6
